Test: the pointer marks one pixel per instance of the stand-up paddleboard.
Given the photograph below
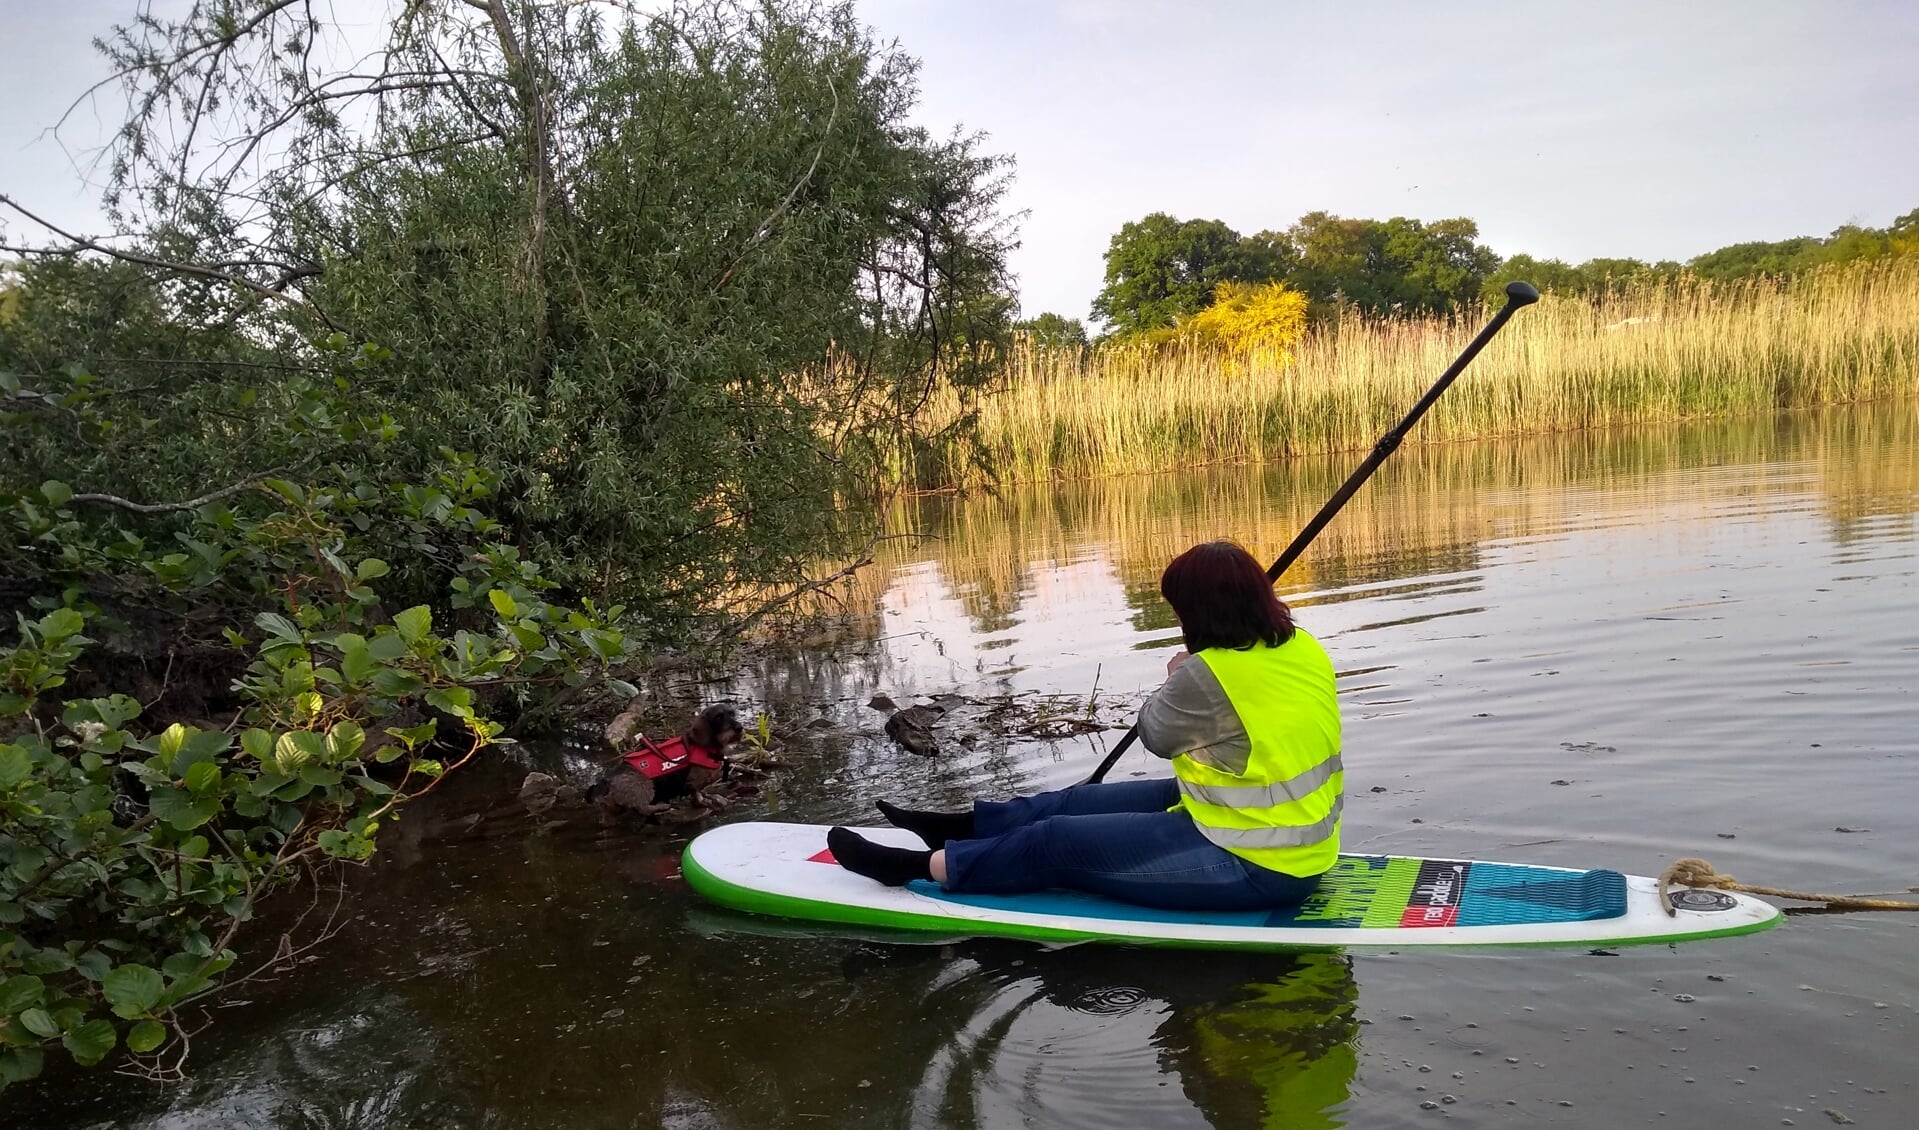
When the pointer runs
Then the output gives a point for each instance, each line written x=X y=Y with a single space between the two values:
x=1367 y=900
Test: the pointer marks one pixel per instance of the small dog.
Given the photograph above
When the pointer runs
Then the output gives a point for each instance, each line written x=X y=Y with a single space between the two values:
x=648 y=781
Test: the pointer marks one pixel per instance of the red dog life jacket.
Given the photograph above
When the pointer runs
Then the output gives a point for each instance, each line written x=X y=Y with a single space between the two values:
x=658 y=759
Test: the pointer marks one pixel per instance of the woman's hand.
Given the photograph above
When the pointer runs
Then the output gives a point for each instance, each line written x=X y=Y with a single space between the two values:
x=1172 y=664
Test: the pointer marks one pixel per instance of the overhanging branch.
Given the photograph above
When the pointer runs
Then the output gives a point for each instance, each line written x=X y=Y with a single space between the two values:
x=81 y=243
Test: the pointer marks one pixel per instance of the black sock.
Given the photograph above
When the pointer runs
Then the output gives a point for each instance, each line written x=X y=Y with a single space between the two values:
x=933 y=827
x=893 y=866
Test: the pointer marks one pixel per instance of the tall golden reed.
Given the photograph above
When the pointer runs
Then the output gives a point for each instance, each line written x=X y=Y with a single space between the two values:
x=1671 y=350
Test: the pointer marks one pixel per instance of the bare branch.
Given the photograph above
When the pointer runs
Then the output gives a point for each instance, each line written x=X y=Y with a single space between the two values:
x=184 y=56
x=860 y=561
x=82 y=243
x=175 y=507
x=765 y=227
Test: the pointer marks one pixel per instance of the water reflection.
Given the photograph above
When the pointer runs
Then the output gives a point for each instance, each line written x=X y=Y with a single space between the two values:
x=1229 y=1040
x=1430 y=512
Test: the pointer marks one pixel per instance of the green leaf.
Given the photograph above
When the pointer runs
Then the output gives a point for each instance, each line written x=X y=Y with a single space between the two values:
x=371 y=569
x=133 y=990
x=116 y=710
x=319 y=776
x=48 y=960
x=416 y=735
x=61 y=623
x=296 y=748
x=17 y=993
x=503 y=603
x=357 y=664
x=90 y=1042
x=93 y=965
x=345 y=741
x=181 y=810
x=169 y=744
x=181 y=965
x=309 y=704
x=37 y=1021
x=396 y=683
x=375 y=788
x=56 y=492
x=386 y=646
x=146 y=1036
x=257 y=742
x=202 y=776
x=344 y=845
x=185 y=987
x=457 y=701
x=413 y=623
x=20 y=1064
x=15 y=766
x=199 y=747
x=278 y=625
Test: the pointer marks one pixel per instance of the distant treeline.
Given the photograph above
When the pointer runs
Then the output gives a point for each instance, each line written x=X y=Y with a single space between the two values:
x=1161 y=270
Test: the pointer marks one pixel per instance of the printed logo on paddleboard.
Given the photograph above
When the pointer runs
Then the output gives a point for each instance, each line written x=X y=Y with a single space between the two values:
x=1694 y=899
x=1437 y=893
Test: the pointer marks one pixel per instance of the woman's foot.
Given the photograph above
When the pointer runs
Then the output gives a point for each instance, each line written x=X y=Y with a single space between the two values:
x=934 y=827
x=893 y=866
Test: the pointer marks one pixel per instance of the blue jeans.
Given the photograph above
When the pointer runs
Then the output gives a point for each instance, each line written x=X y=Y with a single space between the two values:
x=1116 y=840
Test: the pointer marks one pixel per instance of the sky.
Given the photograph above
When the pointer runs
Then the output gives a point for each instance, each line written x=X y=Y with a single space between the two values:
x=1655 y=130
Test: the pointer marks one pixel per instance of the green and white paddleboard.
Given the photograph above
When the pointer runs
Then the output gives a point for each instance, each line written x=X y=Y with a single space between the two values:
x=1367 y=900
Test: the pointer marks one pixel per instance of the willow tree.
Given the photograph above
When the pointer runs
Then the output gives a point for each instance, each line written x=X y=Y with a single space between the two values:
x=686 y=280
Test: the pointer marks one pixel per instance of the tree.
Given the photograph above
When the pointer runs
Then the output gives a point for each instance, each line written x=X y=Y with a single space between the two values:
x=1160 y=269
x=1551 y=276
x=1383 y=267
x=687 y=281
x=1053 y=331
x=668 y=293
x=1740 y=260
x=1904 y=234
x=1331 y=260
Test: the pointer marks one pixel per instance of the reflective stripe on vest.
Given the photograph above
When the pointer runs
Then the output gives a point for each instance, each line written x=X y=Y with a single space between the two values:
x=1281 y=810
x=1268 y=796
x=1284 y=836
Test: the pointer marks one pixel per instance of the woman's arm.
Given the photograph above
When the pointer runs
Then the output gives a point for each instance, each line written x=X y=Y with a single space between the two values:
x=1190 y=714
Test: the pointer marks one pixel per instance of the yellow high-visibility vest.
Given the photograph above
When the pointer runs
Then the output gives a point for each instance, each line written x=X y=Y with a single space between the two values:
x=1282 y=813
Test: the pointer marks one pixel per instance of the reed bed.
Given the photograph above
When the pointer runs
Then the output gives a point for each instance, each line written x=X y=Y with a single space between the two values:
x=1665 y=351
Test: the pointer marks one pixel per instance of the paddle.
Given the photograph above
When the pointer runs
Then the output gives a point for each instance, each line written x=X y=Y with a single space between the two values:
x=1518 y=294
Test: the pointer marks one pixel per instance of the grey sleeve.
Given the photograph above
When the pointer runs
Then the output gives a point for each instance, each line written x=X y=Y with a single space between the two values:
x=1190 y=714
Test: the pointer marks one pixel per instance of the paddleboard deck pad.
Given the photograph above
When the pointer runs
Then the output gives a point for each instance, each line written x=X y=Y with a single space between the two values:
x=785 y=870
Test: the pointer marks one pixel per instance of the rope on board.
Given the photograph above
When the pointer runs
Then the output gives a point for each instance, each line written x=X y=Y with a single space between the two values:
x=1698 y=873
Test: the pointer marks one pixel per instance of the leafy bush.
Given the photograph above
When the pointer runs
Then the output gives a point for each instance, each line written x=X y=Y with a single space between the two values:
x=130 y=854
x=1248 y=318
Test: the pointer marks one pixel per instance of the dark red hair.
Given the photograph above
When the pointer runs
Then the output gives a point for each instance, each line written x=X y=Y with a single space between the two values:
x=1223 y=599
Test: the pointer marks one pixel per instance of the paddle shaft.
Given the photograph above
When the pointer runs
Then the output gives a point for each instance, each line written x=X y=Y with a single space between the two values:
x=1518 y=294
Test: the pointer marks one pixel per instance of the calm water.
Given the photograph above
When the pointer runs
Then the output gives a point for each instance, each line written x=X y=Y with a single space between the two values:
x=1588 y=650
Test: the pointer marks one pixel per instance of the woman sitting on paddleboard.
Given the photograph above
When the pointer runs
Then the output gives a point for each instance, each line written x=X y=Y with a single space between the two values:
x=1250 y=817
